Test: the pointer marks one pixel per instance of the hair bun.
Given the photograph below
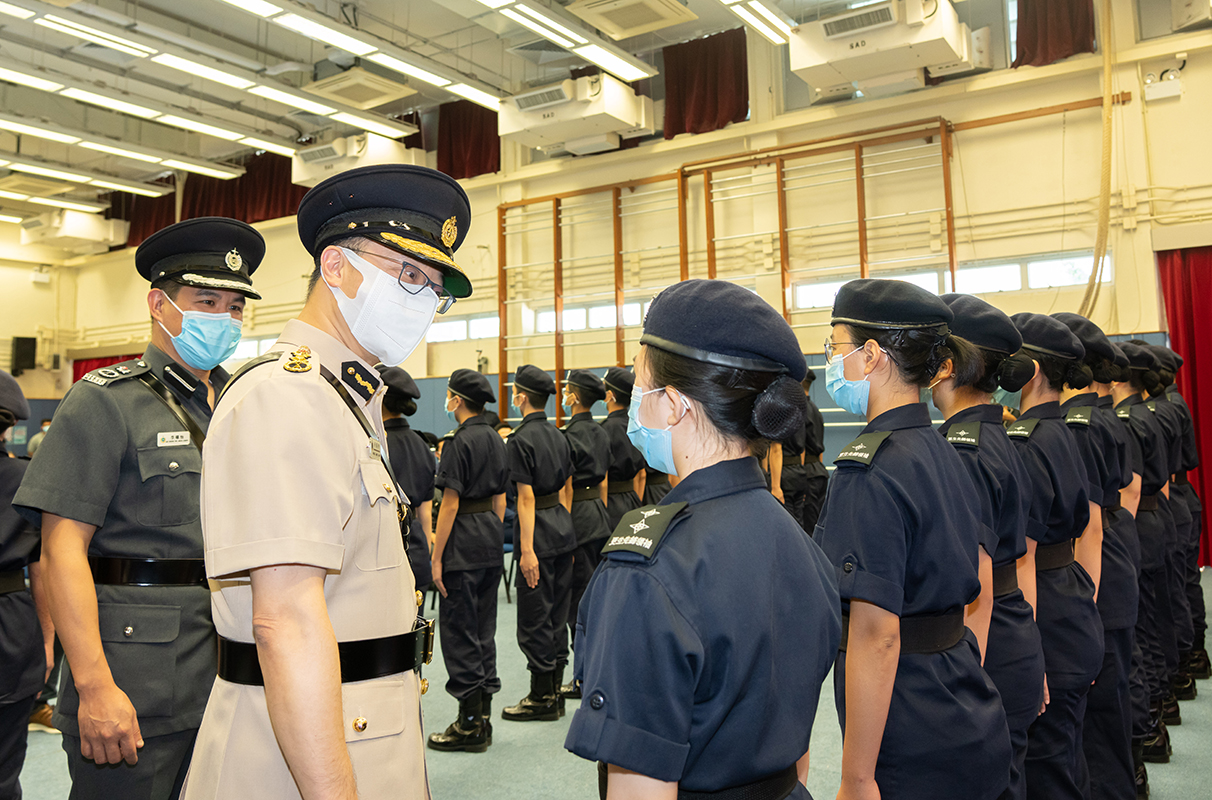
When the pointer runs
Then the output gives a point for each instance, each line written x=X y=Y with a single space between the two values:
x=1151 y=381
x=1104 y=372
x=1080 y=376
x=1015 y=372
x=780 y=410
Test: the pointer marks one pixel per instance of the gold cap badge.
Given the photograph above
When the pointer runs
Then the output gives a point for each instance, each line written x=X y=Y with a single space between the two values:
x=233 y=260
x=450 y=231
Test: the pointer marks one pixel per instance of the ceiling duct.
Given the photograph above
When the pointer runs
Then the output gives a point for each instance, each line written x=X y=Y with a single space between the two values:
x=622 y=19
x=542 y=52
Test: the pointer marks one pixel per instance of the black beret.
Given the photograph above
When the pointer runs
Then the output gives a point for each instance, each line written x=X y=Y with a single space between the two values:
x=12 y=399
x=1177 y=358
x=723 y=324
x=1167 y=359
x=471 y=385
x=590 y=385
x=1090 y=335
x=1120 y=359
x=875 y=303
x=532 y=379
x=1139 y=357
x=1049 y=336
x=206 y=253
x=413 y=210
x=982 y=324
x=621 y=381
x=399 y=382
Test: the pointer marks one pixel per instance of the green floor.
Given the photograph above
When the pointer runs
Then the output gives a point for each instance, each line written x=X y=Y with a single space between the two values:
x=528 y=760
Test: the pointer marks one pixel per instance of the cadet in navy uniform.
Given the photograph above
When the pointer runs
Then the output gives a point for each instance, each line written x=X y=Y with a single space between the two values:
x=1014 y=656
x=815 y=473
x=625 y=478
x=25 y=645
x=117 y=483
x=467 y=560
x=708 y=629
x=540 y=464
x=1061 y=512
x=413 y=464
x=902 y=525
x=1107 y=727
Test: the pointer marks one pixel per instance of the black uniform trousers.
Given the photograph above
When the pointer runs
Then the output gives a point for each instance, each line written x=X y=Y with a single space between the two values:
x=814 y=501
x=1176 y=567
x=584 y=561
x=794 y=485
x=1107 y=732
x=14 y=727
x=159 y=774
x=1054 y=751
x=543 y=612
x=467 y=623
x=1185 y=492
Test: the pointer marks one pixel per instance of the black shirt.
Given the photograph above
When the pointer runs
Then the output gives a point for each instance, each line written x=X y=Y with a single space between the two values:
x=814 y=441
x=1060 y=508
x=625 y=460
x=590 y=450
x=414 y=466
x=473 y=464
x=540 y=456
x=1154 y=466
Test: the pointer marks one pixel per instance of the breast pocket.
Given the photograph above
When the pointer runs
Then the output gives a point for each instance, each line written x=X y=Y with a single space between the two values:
x=384 y=547
x=138 y=644
x=172 y=484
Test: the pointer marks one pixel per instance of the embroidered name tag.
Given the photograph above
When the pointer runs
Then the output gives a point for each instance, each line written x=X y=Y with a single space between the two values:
x=172 y=439
x=640 y=531
x=862 y=450
x=1022 y=429
x=1079 y=416
x=1123 y=412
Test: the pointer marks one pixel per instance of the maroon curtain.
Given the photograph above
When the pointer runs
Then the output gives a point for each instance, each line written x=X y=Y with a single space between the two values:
x=706 y=83
x=1049 y=30
x=1186 y=282
x=83 y=366
x=468 y=143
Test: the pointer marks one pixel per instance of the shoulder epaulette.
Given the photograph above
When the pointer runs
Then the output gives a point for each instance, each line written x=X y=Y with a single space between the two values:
x=640 y=531
x=1151 y=405
x=1023 y=428
x=1123 y=412
x=107 y=375
x=862 y=450
x=1079 y=416
x=968 y=434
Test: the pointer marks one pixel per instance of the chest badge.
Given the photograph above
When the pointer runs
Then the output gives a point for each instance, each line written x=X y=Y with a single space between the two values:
x=299 y=360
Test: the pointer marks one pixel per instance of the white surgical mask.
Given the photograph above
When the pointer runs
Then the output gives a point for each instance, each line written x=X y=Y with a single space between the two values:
x=385 y=319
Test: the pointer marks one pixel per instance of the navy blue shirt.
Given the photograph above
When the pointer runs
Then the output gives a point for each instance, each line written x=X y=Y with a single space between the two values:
x=21 y=650
x=1155 y=466
x=625 y=460
x=590 y=462
x=1091 y=446
x=1060 y=508
x=1190 y=458
x=703 y=663
x=473 y=464
x=413 y=464
x=539 y=456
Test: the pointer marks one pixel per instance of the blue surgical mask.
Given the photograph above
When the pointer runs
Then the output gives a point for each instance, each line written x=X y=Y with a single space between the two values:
x=852 y=396
x=206 y=340
x=656 y=445
x=450 y=414
x=1008 y=399
x=926 y=393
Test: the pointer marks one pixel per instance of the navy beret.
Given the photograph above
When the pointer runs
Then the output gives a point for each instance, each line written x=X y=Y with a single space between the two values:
x=532 y=379
x=1120 y=359
x=720 y=323
x=471 y=385
x=982 y=324
x=1090 y=335
x=413 y=210
x=399 y=382
x=12 y=399
x=621 y=381
x=875 y=303
x=592 y=389
x=1049 y=336
x=1177 y=358
x=1166 y=358
x=1139 y=357
x=205 y=252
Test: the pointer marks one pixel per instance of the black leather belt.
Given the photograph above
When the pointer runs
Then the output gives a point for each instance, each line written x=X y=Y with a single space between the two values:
x=546 y=501
x=1053 y=556
x=1148 y=502
x=920 y=634
x=586 y=493
x=12 y=581
x=1181 y=479
x=474 y=506
x=658 y=479
x=619 y=487
x=1108 y=510
x=148 y=571
x=362 y=660
x=773 y=787
x=1005 y=579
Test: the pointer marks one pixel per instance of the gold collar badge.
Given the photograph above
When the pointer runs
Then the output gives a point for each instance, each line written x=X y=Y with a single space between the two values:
x=299 y=360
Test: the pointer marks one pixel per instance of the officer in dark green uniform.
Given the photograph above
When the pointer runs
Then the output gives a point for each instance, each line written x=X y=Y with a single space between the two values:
x=116 y=486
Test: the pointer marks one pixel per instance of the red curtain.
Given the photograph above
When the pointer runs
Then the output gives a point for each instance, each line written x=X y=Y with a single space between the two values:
x=706 y=83
x=1049 y=30
x=83 y=366
x=1186 y=281
x=468 y=143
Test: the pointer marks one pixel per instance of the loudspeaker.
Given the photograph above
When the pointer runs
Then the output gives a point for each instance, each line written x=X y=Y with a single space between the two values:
x=24 y=354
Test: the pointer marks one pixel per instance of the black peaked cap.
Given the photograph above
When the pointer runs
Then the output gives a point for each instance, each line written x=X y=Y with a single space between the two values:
x=471 y=385
x=620 y=380
x=591 y=386
x=533 y=379
x=205 y=252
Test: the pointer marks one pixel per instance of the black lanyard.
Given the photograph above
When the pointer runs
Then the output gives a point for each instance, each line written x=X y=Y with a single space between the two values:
x=196 y=435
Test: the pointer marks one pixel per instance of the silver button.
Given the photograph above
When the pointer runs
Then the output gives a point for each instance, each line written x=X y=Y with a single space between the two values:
x=128 y=631
x=173 y=465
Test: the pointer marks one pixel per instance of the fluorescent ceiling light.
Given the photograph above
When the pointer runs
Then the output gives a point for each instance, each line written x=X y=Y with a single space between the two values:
x=553 y=24
x=541 y=30
x=13 y=196
x=47 y=172
x=199 y=127
x=29 y=80
x=612 y=63
x=325 y=34
x=496 y=3
x=91 y=208
x=132 y=188
x=199 y=169
x=202 y=71
x=18 y=12
x=3 y=163
x=258 y=7
x=779 y=24
x=374 y=126
x=391 y=62
x=113 y=104
x=13 y=220
x=758 y=25
x=288 y=99
x=118 y=151
x=93 y=35
x=272 y=147
x=476 y=95
x=41 y=133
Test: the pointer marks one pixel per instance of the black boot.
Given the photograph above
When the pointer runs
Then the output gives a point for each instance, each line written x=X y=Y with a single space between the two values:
x=1155 y=749
x=540 y=704
x=486 y=711
x=1171 y=714
x=1200 y=667
x=571 y=690
x=1183 y=686
x=467 y=733
x=558 y=678
x=1138 y=764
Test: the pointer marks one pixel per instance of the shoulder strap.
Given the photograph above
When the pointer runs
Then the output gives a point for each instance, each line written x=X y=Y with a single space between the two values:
x=862 y=450
x=966 y=434
x=1123 y=412
x=1079 y=415
x=248 y=365
x=640 y=531
x=1023 y=428
x=170 y=401
x=107 y=375
x=1151 y=405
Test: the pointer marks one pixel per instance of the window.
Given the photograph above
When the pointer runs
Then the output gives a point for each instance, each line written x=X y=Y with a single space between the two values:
x=575 y=319
x=545 y=322
x=484 y=328
x=246 y=349
x=632 y=314
x=817 y=295
x=1065 y=271
x=454 y=330
x=926 y=280
x=986 y=280
x=602 y=317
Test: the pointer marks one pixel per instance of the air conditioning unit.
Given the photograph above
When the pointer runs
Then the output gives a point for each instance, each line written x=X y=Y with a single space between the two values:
x=597 y=104
x=830 y=94
x=558 y=94
x=75 y=231
x=977 y=56
x=313 y=164
x=622 y=19
x=1187 y=14
x=361 y=87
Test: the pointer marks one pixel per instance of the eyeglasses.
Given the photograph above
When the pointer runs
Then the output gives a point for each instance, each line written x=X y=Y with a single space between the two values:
x=413 y=280
x=831 y=346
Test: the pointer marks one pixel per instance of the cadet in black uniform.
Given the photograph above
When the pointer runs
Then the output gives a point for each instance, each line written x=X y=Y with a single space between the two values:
x=413 y=464
x=815 y=474
x=467 y=560
x=625 y=478
x=117 y=484
x=25 y=646
x=540 y=464
x=1065 y=610
x=920 y=719
x=656 y=485
x=792 y=480
x=708 y=629
x=1014 y=656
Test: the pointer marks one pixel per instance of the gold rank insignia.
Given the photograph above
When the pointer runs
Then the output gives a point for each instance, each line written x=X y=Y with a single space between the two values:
x=299 y=360
x=450 y=231
x=362 y=381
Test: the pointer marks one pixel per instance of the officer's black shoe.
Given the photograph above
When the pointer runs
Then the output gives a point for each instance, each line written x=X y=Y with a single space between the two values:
x=1200 y=667
x=1138 y=765
x=1183 y=687
x=1171 y=714
x=486 y=712
x=571 y=690
x=467 y=733
x=558 y=682
x=1155 y=749
x=540 y=705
